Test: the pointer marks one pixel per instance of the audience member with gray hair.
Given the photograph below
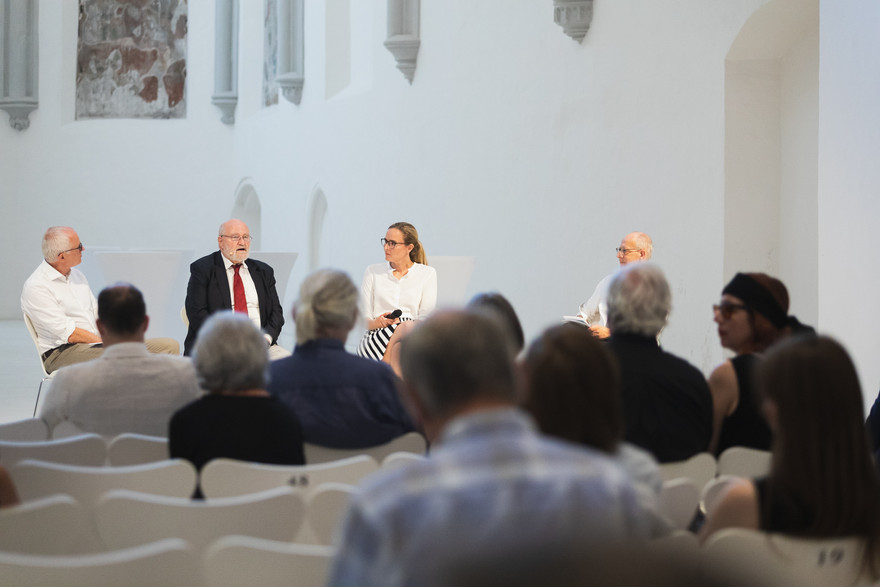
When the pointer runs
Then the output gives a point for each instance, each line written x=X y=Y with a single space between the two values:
x=667 y=405
x=342 y=400
x=491 y=480
x=238 y=419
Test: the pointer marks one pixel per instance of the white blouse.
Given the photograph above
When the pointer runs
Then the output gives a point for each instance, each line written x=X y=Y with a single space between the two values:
x=415 y=294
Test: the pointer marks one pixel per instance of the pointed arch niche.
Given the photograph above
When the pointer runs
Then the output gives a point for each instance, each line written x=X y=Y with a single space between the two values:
x=317 y=215
x=247 y=209
x=771 y=149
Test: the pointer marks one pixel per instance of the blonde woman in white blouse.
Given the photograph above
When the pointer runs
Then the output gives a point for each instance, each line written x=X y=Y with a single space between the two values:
x=403 y=282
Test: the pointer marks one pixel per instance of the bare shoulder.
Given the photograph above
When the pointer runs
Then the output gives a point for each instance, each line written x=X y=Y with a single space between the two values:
x=723 y=384
x=737 y=508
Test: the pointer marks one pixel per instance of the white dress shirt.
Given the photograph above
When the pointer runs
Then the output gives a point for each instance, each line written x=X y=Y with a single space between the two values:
x=127 y=389
x=414 y=294
x=58 y=304
x=595 y=310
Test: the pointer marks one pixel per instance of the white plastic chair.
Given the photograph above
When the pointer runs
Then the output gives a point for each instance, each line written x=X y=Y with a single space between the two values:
x=136 y=449
x=741 y=461
x=169 y=563
x=46 y=376
x=52 y=525
x=66 y=429
x=411 y=442
x=33 y=479
x=324 y=508
x=127 y=518
x=233 y=561
x=27 y=430
x=401 y=459
x=679 y=499
x=785 y=560
x=228 y=477
x=700 y=469
x=85 y=449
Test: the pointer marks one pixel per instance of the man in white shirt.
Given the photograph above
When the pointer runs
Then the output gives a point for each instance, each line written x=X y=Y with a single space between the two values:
x=126 y=389
x=636 y=246
x=60 y=304
x=219 y=280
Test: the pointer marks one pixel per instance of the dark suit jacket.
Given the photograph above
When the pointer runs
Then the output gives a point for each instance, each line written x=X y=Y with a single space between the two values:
x=208 y=292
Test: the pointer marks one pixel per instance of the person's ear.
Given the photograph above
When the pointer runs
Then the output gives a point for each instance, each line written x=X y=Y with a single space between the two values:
x=101 y=329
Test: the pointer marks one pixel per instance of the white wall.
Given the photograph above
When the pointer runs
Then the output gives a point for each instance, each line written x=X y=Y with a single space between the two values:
x=129 y=183
x=513 y=143
x=849 y=181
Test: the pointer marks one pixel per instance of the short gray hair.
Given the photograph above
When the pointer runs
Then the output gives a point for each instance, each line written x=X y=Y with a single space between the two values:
x=55 y=241
x=455 y=357
x=327 y=298
x=639 y=300
x=230 y=354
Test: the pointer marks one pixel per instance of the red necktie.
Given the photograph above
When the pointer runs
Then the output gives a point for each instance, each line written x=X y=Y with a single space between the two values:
x=238 y=291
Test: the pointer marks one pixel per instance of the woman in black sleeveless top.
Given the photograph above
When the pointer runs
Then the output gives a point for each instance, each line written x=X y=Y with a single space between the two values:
x=752 y=315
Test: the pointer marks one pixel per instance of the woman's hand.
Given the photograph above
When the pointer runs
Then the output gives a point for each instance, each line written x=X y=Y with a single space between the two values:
x=382 y=321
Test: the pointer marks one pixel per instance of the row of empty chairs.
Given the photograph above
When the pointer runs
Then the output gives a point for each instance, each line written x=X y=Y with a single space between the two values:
x=231 y=560
x=122 y=518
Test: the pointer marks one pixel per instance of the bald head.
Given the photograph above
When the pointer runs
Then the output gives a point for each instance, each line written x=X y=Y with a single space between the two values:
x=636 y=246
x=234 y=240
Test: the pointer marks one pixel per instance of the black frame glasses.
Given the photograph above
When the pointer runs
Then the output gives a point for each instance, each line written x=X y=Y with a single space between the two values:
x=390 y=244
x=726 y=309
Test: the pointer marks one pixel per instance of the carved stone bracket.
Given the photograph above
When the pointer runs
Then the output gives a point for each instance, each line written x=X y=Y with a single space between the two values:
x=290 y=50
x=403 y=34
x=225 y=96
x=19 y=66
x=574 y=16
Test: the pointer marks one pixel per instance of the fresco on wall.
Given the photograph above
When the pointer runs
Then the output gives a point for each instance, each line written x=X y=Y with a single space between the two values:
x=131 y=59
x=270 y=52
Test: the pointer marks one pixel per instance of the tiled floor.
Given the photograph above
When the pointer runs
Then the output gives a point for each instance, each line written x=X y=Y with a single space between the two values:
x=20 y=372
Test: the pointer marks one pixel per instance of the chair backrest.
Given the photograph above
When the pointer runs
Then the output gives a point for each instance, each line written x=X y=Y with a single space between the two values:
x=700 y=469
x=174 y=478
x=167 y=562
x=27 y=430
x=85 y=449
x=741 y=461
x=786 y=560
x=411 y=442
x=400 y=459
x=227 y=477
x=136 y=449
x=127 y=518
x=33 y=332
x=52 y=525
x=66 y=429
x=239 y=560
x=324 y=508
x=679 y=499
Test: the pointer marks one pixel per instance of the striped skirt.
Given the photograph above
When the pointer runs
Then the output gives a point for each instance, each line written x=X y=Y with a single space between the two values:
x=374 y=342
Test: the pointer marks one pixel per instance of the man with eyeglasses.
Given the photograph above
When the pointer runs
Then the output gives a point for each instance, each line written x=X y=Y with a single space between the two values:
x=636 y=246
x=62 y=308
x=228 y=280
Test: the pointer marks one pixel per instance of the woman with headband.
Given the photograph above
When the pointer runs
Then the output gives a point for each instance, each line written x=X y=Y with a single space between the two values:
x=752 y=315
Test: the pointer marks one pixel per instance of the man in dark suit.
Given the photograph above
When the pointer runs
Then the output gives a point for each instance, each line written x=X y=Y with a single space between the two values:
x=228 y=280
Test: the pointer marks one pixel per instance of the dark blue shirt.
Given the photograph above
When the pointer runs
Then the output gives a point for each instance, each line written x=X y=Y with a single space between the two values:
x=342 y=401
